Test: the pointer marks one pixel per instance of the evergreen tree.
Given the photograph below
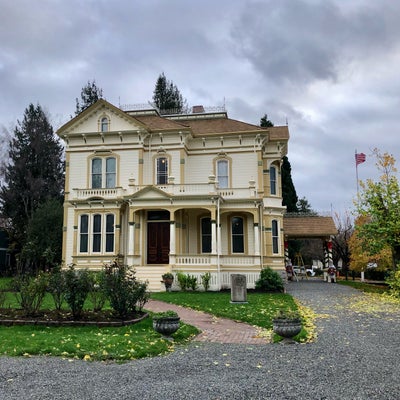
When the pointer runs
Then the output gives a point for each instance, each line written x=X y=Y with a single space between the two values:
x=265 y=122
x=289 y=195
x=304 y=207
x=89 y=95
x=33 y=174
x=167 y=97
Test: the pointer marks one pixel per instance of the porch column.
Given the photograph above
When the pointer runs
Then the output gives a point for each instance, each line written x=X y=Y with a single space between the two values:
x=172 y=230
x=256 y=240
x=131 y=236
x=213 y=236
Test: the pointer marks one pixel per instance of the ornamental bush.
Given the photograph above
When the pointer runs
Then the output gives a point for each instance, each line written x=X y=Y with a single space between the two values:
x=126 y=294
x=30 y=292
x=394 y=282
x=77 y=287
x=269 y=281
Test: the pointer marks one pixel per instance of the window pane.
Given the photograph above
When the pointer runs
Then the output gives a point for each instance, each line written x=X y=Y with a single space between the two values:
x=272 y=177
x=206 y=235
x=84 y=236
x=96 y=233
x=162 y=171
x=104 y=124
x=237 y=235
x=96 y=173
x=275 y=237
x=222 y=173
x=110 y=165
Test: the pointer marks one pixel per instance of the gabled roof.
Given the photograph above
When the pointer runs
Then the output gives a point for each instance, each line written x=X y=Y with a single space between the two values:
x=308 y=227
x=99 y=103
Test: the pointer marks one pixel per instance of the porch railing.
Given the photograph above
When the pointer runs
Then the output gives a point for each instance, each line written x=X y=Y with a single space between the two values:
x=172 y=189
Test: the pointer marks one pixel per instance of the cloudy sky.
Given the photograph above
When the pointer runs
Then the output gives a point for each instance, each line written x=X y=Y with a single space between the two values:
x=328 y=68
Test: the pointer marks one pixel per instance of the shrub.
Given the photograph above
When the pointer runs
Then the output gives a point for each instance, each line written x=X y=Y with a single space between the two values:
x=56 y=287
x=182 y=280
x=2 y=298
x=205 y=280
x=394 y=283
x=124 y=291
x=192 y=282
x=269 y=281
x=97 y=293
x=30 y=292
x=77 y=287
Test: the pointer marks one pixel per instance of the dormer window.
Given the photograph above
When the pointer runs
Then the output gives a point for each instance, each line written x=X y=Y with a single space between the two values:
x=104 y=124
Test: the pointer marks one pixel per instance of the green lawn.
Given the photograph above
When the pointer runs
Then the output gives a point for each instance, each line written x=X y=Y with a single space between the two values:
x=259 y=311
x=135 y=341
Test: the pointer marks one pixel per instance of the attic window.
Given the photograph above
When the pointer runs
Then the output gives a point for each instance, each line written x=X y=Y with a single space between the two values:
x=104 y=124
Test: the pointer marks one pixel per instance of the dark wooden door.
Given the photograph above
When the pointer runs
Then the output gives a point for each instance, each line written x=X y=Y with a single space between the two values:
x=158 y=243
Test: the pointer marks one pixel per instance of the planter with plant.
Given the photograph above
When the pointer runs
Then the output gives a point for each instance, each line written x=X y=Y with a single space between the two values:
x=287 y=323
x=167 y=279
x=166 y=323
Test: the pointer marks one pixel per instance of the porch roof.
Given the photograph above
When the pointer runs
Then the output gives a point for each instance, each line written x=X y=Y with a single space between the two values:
x=308 y=227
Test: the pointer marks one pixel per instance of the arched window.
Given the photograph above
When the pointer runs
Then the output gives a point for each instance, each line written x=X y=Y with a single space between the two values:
x=223 y=173
x=206 y=235
x=272 y=179
x=104 y=125
x=275 y=237
x=162 y=171
x=104 y=171
x=237 y=235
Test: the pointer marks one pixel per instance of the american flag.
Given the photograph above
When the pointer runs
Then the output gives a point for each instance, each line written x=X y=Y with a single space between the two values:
x=360 y=158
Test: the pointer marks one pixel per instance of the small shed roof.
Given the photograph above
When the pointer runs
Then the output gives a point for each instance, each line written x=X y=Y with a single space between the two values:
x=308 y=227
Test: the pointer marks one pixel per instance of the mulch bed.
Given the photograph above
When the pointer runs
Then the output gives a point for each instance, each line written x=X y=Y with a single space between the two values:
x=102 y=318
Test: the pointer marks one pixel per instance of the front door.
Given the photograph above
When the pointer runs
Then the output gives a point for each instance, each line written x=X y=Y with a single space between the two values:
x=158 y=243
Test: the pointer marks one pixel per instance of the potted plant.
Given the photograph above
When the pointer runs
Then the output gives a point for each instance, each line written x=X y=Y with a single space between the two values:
x=287 y=323
x=167 y=279
x=166 y=323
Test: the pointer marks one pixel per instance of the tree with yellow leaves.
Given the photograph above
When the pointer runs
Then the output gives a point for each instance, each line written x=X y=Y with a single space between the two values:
x=379 y=205
x=359 y=257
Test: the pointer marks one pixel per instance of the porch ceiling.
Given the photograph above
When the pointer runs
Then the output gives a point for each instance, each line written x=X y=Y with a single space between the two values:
x=308 y=227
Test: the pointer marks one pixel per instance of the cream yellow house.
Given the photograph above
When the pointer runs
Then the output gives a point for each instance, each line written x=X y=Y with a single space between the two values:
x=190 y=192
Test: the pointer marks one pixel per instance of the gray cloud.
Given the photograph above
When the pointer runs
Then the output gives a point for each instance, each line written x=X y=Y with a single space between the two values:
x=327 y=67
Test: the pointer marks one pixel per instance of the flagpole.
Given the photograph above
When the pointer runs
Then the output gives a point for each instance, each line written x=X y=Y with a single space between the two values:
x=355 y=159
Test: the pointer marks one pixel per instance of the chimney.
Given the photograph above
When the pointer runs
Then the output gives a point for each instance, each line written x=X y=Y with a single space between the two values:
x=197 y=109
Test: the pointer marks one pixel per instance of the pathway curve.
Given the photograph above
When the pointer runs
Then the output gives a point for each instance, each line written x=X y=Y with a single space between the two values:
x=213 y=329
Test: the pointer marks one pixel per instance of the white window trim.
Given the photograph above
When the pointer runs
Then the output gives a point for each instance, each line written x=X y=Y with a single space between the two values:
x=103 y=234
x=103 y=172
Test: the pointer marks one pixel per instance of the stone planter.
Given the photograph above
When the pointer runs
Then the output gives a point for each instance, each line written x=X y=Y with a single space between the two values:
x=166 y=326
x=168 y=283
x=287 y=328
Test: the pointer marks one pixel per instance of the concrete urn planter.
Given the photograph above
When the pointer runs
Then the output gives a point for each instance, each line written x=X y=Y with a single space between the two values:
x=287 y=328
x=166 y=325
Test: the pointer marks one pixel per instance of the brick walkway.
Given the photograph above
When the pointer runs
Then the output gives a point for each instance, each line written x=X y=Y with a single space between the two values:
x=214 y=329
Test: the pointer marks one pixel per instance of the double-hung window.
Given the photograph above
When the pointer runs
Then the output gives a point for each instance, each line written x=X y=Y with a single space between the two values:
x=275 y=237
x=104 y=171
x=272 y=179
x=96 y=233
x=206 y=235
x=162 y=171
x=222 y=174
x=237 y=235
x=104 y=124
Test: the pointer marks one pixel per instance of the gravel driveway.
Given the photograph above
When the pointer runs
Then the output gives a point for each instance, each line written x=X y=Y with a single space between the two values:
x=355 y=356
